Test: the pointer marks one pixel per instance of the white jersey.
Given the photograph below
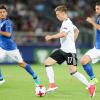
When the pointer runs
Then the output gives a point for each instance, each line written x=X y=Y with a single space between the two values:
x=67 y=42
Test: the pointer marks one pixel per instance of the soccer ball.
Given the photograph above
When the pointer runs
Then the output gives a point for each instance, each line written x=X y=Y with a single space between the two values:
x=40 y=91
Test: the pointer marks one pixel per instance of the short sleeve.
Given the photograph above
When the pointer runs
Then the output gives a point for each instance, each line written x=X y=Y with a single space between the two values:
x=8 y=26
x=98 y=20
x=65 y=27
x=68 y=26
x=74 y=27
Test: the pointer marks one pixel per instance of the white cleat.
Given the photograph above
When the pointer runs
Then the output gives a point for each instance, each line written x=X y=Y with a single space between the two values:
x=2 y=82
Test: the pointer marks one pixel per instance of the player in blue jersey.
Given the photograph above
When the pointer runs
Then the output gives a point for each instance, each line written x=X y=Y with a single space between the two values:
x=8 y=47
x=93 y=54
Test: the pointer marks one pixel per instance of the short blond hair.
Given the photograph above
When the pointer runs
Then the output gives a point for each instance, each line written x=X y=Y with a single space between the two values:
x=61 y=8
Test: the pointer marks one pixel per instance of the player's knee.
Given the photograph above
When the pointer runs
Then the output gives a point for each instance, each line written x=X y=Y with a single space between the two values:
x=22 y=64
x=46 y=62
x=72 y=68
x=83 y=61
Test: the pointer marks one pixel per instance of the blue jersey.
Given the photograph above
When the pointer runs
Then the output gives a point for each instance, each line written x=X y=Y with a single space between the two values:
x=97 y=41
x=7 y=43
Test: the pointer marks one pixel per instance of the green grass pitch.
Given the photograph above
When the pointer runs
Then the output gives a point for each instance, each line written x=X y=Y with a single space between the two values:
x=20 y=86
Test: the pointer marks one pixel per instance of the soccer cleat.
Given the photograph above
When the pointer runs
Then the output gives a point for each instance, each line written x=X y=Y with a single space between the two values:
x=92 y=90
x=2 y=81
x=52 y=87
x=94 y=81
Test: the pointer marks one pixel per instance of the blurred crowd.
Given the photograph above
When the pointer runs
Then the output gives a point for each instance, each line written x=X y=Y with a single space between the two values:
x=39 y=15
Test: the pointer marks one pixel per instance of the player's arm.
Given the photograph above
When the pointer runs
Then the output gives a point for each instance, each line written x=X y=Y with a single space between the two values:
x=92 y=21
x=7 y=34
x=8 y=29
x=58 y=35
x=76 y=33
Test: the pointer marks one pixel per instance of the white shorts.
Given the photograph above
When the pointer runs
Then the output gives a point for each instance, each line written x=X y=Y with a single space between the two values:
x=94 y=54
x=10 y=56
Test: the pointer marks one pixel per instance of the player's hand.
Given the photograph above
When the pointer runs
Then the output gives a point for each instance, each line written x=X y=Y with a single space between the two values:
x=48 y=37
x=90 y=20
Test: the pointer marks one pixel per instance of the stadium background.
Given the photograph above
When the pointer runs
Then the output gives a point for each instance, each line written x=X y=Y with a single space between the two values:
x=33 y=19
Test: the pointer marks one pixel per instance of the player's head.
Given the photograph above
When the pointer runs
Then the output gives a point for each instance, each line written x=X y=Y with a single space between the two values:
x=61 y=12
x=97 y=7
x=3 y=11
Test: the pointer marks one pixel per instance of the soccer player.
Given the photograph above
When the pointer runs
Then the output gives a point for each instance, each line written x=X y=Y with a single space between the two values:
x=93 y=54
x=67 y=52
x=8 y=47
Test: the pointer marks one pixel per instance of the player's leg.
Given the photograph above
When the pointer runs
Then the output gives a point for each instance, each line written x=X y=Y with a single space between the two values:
x=72 y=63
x=73 y=71
x=49 y=70
x=91 y=54
x=50 y=73
x=28 y=68
x=71 y=59
x=16 y=56
x=87 y=67
x=2 y=58
x=1 y=79
x=55 y=57
x=82 y=79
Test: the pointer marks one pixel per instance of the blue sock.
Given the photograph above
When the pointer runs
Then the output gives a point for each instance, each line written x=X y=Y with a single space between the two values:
x=32 y=73
x=1 y=77
x=89 y=70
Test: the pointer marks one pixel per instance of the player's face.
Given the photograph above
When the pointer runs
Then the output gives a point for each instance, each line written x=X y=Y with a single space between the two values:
x=60 y=15
x=3 y=13
x=97 y=9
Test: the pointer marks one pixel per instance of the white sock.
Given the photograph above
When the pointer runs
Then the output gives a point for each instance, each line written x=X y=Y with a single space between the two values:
x=81 y=78
x=50 y=74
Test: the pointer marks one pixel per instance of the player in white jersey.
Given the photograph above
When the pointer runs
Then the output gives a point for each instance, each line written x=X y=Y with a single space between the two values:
x=68 y=34
x=68 y=27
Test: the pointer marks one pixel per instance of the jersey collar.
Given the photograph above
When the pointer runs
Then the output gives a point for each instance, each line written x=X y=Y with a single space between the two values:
x=4 y=19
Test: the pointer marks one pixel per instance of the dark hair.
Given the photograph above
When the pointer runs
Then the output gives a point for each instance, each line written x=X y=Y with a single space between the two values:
x=62 y=8
x=98 y=3
x=4 y=7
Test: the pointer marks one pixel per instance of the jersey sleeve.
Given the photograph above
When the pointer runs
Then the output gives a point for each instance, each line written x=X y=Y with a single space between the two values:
x=98 y=21
x=65 y=27
x=8 y=27
x=74 y=27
